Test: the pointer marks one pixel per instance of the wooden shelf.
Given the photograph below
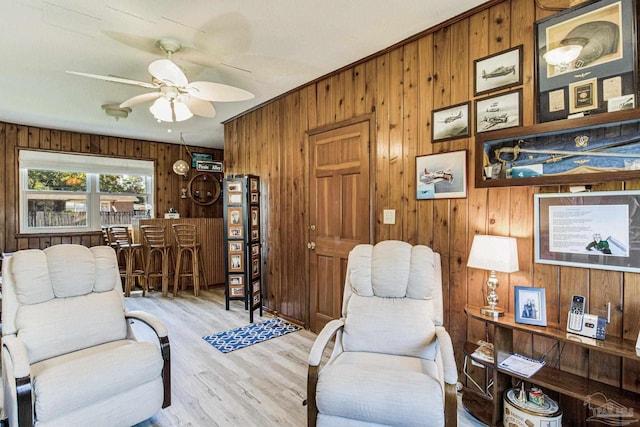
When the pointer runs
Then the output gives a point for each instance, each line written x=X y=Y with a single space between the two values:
x=611 y=345
x=565 y=383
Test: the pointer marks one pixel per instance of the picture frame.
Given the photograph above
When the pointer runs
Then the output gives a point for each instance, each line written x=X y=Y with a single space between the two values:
x=254 y=198
x=583 y=96
x=235 y=246
x=530 y=305
x=442 y=175
x=559 y=152
x=497 y=71
x=255 y=235
x=236 y=291
x=603 y=36
x=255 y=249
x=606 y=239
x=236 y=280
x=450 y=123
x=253 y=185
x=236 y=262
x=255 y=267
x=197 y=157
x=235 y=232
x=256 y=286
x=234 y=198
x=234 y=186
x=234 y=216
x=255 y=217
x=499 y=111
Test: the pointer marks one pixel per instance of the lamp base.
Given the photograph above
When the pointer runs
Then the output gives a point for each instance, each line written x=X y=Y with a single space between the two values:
x=492 y=311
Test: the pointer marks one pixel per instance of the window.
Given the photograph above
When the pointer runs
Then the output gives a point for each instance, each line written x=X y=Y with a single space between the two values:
x=70 y=192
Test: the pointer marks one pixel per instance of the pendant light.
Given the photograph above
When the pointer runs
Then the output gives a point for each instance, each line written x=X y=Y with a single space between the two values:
x=181 y=167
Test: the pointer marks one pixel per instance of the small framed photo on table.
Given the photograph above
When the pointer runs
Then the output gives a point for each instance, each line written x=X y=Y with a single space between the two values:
x=530 y=306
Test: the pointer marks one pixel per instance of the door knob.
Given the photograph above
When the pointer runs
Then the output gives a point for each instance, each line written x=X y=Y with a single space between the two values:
x=311 y=245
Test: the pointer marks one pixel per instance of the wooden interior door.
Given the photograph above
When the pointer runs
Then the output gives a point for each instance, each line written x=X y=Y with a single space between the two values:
x=339 y=213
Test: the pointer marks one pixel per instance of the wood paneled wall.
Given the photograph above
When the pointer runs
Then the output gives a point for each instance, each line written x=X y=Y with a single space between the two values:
x=168 y=184
x=400 y=87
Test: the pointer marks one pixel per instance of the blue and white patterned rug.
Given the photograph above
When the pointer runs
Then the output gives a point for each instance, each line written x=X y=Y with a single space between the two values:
x=245 y=336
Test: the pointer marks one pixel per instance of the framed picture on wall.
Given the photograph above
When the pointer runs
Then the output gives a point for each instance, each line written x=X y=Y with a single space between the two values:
x=530 y=306
x=606 y=238
x=499 y=112
x=442 y=176
x=498 y=71
x=595 y=41
x=450 y=122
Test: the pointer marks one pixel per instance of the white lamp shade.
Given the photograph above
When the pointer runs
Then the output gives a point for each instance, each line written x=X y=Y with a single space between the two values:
x=169 y=111
x=497 y=253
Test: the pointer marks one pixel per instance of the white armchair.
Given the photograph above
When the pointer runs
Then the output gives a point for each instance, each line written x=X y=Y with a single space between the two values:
x=392 y=362
x=69 y=356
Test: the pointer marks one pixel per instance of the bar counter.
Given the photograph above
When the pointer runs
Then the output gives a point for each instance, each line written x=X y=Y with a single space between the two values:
x=210 y=234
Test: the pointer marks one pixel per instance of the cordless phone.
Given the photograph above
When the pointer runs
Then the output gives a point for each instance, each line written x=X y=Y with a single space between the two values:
x=574 y=321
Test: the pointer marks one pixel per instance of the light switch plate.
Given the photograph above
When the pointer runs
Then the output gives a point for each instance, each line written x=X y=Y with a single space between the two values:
x=389 y=216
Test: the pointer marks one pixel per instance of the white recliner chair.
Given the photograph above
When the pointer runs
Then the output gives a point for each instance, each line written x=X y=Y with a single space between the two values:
x=392 y=362
x=69 y=356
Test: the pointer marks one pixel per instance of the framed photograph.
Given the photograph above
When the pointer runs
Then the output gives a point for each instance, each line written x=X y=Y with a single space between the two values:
x=235 y=232
x=499 y=112
x=236 y=280
x=234 y=198
x=234 y=216
x=583 y=96
x=253 y=185
x=442 y=176
x=594 y=40
x=627 y=102
x=254 y=198
x=450 y=123
x=255 y=235
x=235 y=262
x=255 y=249
x=236 y=291
x=530 y=306
x=235 y=246
x=197 y=157
x=591 y=230
x=498 y=71
x=256 y=286
x=255 y=217
x=584 y=150
x=234 y=186
x=255 y=267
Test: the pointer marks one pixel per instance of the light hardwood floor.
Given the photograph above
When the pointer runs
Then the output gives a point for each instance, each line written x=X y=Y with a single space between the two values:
x=261 y=385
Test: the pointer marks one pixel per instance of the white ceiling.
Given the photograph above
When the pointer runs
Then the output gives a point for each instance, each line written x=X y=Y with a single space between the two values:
x=265 y=47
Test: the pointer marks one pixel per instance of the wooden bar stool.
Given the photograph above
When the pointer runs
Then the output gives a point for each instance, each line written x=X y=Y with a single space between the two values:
x=133 y=260
x=155 y=243
x=186 y=242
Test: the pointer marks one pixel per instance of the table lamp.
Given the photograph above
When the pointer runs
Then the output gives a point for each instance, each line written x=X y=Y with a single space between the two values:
x=493 y=253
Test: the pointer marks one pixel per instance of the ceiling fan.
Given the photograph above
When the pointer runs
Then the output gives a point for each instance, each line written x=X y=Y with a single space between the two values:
x=176 y=99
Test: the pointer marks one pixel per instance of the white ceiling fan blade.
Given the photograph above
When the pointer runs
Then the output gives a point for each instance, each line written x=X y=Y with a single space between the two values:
x=210 y=91
x=168 y=72
x=139 y=99
x=198 y=107
x=115 y=79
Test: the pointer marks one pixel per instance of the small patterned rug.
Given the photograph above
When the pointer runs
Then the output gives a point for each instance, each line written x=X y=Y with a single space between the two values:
x=245 y=336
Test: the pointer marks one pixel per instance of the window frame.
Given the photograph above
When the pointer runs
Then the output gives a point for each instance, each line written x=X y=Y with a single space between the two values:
x=37 y=160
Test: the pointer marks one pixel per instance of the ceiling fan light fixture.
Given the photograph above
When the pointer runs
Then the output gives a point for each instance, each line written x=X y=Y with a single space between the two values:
x=170 y=110
x=181 y=111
